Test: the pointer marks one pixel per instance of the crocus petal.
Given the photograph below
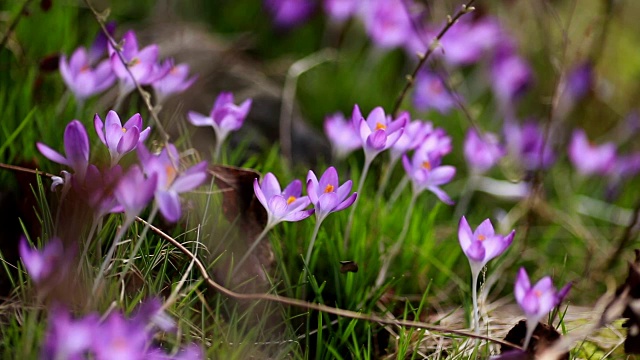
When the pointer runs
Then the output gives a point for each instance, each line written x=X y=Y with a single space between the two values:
x=259 y=194
x=442 y=175
x=128 y=141
x=465 y=235
x=134 y=121
x=188 y=182
x=377 y=140
x=330 y=177
x=356 y=116
x=327 y=202
x=485 y=229
x=530 y=304
x=442 y=196
x=344 y=189
x=270 y=186
x=345 y=204
x=52 y=155
x=312 y=190
x=376 y=116
x=76 y=146
x=298 y=215
x=169 y=205
x=278 y=206
x=98 y=126
x=293 y=189
x=522 y=285
x=476 y=251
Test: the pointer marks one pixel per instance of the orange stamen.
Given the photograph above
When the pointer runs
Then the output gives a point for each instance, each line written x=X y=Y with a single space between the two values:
x=426 y=165
x=481 y=238
x=329 y=188
x=380 y=126
x=124 y=130
x=171 y=174
x=291 y=199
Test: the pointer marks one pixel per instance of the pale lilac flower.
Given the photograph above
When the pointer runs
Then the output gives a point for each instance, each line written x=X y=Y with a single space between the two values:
x=511 y=76
x=290 y=13
x=135 y=191
x=76 y=147
x=482 y=153
x=414 y=135
x=150 y=312
x=378 y=132
x=387 y=22
x=579 y=81
x=536 y=301
x=171 y=182
x=327 y=195
x=342 y=135
x=427 y=173
x=483 y=244
x=287 y=205
x=83 y=80
x=340 y=10
x=68 y=338
x=431 y=93
x=225 y=116
x=174 y=80
x=140 y=62
x=120 y=139
x=591 y=159
x=525 y=142
x=120 y=338
x=40 y=264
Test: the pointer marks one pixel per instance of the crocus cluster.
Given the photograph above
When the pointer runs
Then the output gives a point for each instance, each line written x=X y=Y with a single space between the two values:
x=85 y=75
x=108 y=190
x=115 y=337
x=378 y=132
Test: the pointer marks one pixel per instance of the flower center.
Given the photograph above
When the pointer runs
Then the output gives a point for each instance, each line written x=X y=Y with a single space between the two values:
x=135 y=61
x=481 y=238
x=171 y=174
x=291 y=199
x=537 y=293
x=124 y=130
x=329 y=188
x=426 y=165
x=380 y=126
x=436 y=86
x=84 y=68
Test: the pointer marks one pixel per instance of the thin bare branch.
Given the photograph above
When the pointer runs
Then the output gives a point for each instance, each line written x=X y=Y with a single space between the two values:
x=313 y=306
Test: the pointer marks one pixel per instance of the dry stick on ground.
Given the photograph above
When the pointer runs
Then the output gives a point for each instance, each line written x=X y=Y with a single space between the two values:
x=16 y=20
x=146 y=97
x=466 y=8
x=312 y=306
x=24 y=169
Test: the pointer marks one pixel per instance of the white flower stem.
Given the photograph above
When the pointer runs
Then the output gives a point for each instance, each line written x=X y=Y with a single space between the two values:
x=252 y=247
x=531 y=327
x=363 y=176
x=474 y=297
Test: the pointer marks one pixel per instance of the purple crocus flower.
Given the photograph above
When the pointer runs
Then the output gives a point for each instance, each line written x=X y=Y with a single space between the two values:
x=511 y=76
x=121 y=339
x=40 y=264
x=174 y=80
x=135 y=191
x=120 y=139
x=526 y=143
x=76 y=147
x=327 y=195
x=224 y=117
x=378 y=132
x=68 y=338
x=387 y=22
x=536 y=301
x=287 y=205
x=340 y=10
x=141 y=63
x=81 y=78
x=342 y=135
x=483 y=244
x=171 y=182
x=426 y=173
x=290 y=13
x=431 y=93
x=483 y=153
x=591 y=159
